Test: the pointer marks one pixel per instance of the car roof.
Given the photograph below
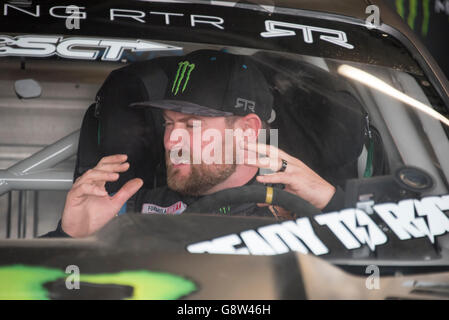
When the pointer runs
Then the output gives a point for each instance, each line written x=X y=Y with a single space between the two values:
x=348 y=11
x=352 y=8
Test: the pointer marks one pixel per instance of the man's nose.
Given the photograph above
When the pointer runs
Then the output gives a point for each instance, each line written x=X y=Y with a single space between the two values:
x=176 y=137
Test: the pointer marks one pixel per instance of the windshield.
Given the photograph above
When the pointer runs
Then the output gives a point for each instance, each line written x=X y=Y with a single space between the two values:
x=378 y=133
x=351 y=105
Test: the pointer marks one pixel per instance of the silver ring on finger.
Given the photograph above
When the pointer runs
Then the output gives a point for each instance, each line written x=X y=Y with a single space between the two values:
x=284 y=166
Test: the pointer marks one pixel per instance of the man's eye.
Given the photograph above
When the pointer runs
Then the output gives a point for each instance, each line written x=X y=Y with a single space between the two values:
x=166 y=124
x=193 y=124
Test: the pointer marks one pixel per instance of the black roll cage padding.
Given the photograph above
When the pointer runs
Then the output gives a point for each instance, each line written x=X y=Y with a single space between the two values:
x=253 y=194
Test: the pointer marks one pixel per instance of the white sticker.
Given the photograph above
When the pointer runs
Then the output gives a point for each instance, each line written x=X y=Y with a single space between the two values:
x=268 y=240
x=176 y=208
x=75 y=48
x=416 y=218
x=352 y=227
x=286 y=29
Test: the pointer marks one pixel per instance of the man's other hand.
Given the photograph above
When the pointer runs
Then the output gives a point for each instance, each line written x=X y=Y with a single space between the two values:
x=88 y=206
x=298 y=178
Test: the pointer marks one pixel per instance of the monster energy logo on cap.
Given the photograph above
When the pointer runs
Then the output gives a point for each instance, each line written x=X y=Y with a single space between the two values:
x=183 y=68
x=413 y=8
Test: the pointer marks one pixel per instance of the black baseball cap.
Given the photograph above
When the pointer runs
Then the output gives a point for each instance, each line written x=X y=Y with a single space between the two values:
x=213 y=84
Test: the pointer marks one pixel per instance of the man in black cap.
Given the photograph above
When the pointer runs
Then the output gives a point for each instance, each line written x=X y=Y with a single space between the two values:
x=209 y=90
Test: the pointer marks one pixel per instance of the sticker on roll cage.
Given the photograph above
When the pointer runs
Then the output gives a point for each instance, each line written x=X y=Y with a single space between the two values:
x=407 y=219
x=76 y=47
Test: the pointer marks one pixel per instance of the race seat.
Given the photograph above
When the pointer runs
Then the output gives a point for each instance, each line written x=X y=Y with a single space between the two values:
x=319 y=119
x=110 y=126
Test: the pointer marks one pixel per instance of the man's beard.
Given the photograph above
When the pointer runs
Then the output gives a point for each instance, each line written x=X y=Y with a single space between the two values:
x=201 y=178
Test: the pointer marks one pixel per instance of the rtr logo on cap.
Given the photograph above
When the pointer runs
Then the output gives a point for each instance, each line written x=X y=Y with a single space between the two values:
x=246 y=105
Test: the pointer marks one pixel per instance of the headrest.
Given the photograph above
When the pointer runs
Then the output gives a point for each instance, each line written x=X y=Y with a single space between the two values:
x=135 y=132
x=318 y=118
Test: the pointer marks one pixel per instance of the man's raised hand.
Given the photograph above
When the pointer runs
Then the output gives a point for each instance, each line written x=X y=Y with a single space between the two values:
x=88 y=206
x=298 y=178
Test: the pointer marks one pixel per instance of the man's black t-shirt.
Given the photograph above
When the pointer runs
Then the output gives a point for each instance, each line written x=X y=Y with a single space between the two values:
x=166 y=201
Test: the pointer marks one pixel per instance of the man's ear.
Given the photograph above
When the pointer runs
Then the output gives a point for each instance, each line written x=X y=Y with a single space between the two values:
x=251 y=123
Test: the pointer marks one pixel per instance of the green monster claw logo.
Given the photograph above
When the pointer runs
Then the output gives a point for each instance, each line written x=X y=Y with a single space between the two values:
x=226 y=209
x=413 y=8
x=27 y=283
x=181 y=75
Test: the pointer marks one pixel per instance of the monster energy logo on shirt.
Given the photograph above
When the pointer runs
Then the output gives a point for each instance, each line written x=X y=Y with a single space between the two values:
x=183 y=74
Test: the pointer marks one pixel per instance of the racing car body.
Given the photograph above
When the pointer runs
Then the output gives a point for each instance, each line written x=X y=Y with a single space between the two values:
x=357 y=97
